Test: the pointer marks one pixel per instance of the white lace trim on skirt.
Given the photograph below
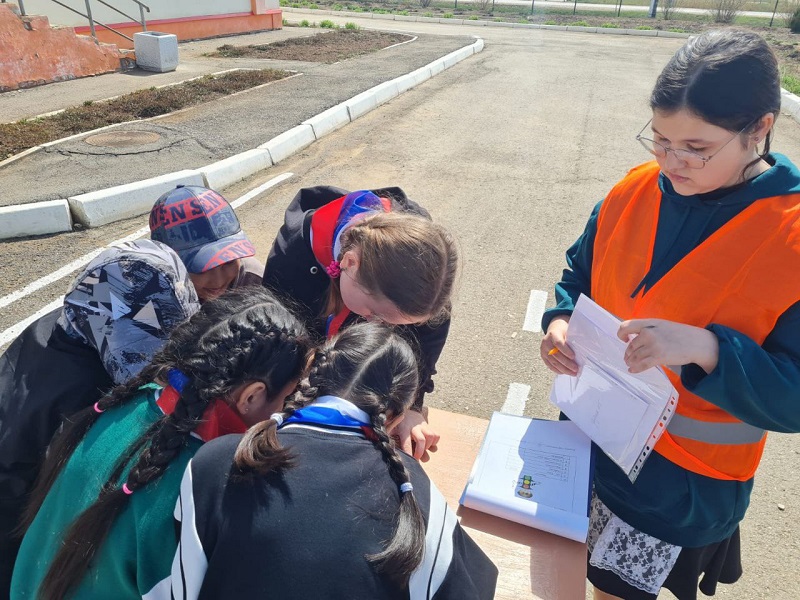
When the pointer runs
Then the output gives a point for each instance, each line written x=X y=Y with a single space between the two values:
x=638 y=559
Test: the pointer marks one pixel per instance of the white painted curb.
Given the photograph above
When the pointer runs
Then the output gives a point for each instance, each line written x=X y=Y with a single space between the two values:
x=329 y=120
x=790 y=104
x=52 y=216
x=128 y=200
x=124 y=201
x=284 y=145
x=223 y=173
x=361 y=104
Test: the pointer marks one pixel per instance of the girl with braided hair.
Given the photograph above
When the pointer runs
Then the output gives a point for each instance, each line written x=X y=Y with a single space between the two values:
x=318 y=502
x=100 y=522
x=374 y=255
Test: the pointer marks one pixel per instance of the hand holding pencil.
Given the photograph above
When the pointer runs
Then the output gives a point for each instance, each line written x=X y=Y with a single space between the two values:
x=555 y=352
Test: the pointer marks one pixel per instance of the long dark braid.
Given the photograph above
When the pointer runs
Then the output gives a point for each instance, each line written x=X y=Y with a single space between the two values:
x=243 y=336
x=376 y=370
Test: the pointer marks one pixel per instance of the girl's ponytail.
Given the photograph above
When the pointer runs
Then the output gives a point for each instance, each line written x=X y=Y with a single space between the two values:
x=405 y=549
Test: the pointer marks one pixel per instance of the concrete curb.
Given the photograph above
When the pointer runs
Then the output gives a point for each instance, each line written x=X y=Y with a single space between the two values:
x=129 y=200
x=105 y=206
x=223 y=173
x=790 y=104
x=52 y=216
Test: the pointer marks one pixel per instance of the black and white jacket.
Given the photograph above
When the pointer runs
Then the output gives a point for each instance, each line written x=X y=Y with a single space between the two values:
x=294 y=274
x=304 y=533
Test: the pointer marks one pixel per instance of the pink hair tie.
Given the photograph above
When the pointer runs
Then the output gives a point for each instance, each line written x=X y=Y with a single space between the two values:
x=126 y=489
x=97 y=409
x=333 y=269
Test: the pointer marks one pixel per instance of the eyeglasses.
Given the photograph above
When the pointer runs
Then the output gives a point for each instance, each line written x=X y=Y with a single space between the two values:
x=690 y=158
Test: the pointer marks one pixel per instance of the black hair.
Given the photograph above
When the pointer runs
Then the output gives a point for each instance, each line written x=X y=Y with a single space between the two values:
x=243 y=336
x=376 y=370
x=728 y=78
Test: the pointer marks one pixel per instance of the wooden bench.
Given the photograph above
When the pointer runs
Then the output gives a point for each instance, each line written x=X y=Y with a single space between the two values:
x=532 y=563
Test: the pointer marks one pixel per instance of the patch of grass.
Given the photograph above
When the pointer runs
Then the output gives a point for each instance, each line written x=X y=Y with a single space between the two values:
x=447 y=16
x=351 y=26
x=473 y=18
x=550 y=23
x=328 y=24
x=313 y=7
x=790 y=82
x=305 y=23
x=428 y=14
x=609 y=26
x=579 y=24
x=645 y=28
x=677 y=30
x=337 y=7
x=402 y=13
x=19 y=136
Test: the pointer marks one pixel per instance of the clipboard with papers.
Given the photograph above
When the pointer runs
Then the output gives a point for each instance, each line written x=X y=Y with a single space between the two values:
x=623 y=413
x=534 y=472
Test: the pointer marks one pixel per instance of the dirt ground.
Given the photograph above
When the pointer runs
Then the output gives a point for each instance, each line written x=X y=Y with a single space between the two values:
x=21 y=135
x=325 y=47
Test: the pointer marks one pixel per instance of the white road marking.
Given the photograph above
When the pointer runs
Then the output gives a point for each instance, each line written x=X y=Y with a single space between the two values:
x=13 y=331
x=533 y=316
x=516 y=399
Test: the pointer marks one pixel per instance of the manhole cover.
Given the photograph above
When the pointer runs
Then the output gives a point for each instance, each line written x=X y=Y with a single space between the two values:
x=123 y=139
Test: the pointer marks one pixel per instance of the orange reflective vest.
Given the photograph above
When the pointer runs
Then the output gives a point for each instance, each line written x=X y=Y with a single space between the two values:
x=744 y=276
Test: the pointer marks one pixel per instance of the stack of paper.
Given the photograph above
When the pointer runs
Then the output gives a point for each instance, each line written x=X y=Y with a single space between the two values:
x=623 y=413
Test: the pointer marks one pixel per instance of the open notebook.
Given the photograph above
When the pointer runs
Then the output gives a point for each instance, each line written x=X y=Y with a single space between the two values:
x=624 y=414
x=533 y=472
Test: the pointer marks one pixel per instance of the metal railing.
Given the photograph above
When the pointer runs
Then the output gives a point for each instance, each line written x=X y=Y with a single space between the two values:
x=92 y=21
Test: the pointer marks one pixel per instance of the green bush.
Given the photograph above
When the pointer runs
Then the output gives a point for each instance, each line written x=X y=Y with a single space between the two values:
x=313 y=7
x=427 y=14
x=305 y=23
x=337 y=7
x=794 y=21
x=328 y=24
x=447 y=15
x=609 y=26
x=579 y=24
x=351 y=26
x=473 y=18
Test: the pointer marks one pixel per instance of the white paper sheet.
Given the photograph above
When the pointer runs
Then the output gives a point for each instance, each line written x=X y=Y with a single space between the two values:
x=533 y=472
x=623 y=413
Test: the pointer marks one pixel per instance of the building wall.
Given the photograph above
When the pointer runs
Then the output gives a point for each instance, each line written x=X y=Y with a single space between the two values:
x=187 y=19
x=34 y=54
x=159 y=9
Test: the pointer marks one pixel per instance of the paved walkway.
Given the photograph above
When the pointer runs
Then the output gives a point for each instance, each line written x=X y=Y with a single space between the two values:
x=203 y=134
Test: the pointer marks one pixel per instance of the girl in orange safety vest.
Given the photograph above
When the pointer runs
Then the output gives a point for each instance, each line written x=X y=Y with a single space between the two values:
x=698 y=252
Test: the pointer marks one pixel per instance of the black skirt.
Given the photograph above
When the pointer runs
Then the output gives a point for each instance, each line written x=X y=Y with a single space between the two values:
x=695 y=568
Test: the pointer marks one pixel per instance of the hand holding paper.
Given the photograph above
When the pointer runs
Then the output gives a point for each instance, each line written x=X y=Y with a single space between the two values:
x=623 y=412
x=659 y=342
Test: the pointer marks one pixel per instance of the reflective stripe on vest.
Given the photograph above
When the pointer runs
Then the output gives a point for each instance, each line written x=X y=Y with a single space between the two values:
x=714 y=432
x=730 y=279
